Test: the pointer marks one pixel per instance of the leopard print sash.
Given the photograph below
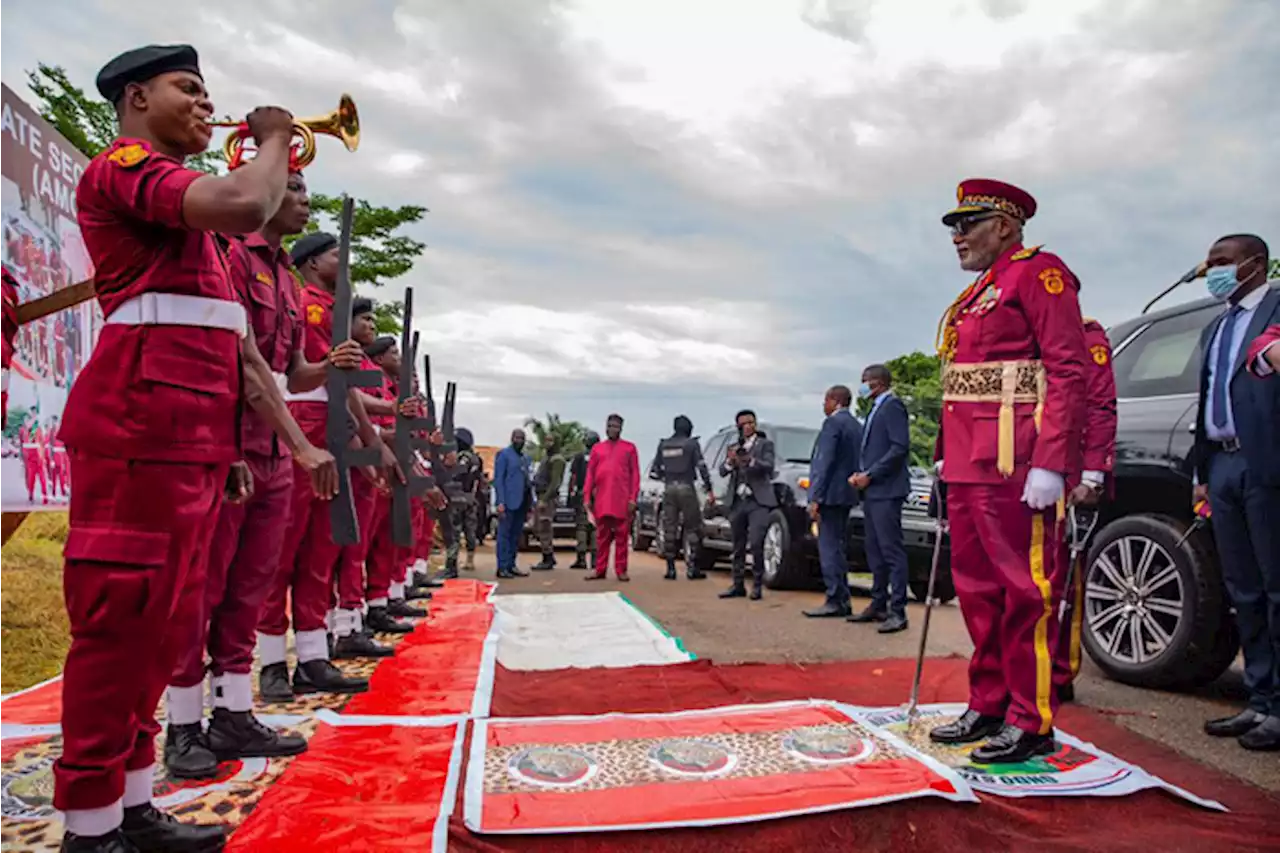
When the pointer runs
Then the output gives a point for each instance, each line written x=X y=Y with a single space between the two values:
x=1004 y=382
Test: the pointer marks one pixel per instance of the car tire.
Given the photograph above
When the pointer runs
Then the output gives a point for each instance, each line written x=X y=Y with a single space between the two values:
x=1138 y=582
x=640 y=539
x=783 y=569
x=944 y=588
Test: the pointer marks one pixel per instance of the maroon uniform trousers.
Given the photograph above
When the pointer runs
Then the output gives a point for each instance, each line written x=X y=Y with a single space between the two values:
x=308 y=556
x=370 y=513
x=243 y=562
x=382 y=562
x=1009 y=564
x=134 y=581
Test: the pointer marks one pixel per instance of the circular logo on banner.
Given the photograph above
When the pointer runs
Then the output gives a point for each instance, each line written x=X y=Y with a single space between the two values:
x=695 y=758
x=552 y=767
x=828 y=746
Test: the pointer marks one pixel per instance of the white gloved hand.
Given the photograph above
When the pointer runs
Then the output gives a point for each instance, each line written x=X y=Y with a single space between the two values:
x=937 y=467
x=1043 y=489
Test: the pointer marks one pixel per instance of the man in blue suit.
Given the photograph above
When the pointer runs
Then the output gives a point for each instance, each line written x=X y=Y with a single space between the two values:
x=511 y=491
x=884 y=482
x=831 y=497
x=1238 y=471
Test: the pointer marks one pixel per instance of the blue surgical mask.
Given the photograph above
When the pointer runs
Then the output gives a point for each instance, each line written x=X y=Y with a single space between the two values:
x=864 y=391
x=1222 y=281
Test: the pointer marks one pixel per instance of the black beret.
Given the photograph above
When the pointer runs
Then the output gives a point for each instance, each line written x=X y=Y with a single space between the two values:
x=141 y=64
x=361 y=305
x=311 y=245
x=380 y=346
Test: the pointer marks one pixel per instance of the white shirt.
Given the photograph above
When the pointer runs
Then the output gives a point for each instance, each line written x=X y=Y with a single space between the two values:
x=1248 y=307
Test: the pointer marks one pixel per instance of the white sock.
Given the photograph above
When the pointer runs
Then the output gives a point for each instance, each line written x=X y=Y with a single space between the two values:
x=138 y=785
x=271 y=648
x=185 y=705
x=233 y=691
x=397 y=590
x=377 y=602
x=89 y=823
x=312 y=645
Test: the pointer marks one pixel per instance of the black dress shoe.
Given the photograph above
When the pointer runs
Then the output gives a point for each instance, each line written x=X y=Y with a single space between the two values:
x=735 y=591
x=239 y=734
x=380 y=621
x=971 y=727
x=448 y=573
x=401 y=609
x=580 y=563
x=1066 y=693
x=425 y=581
x=113 y=842
x=695 y=575
x=187 y=754
x=416 y=593
x=671 y=571
x=757 y=592
x=870 y=614
x=1241 y=723
x=360 y=645
x=895 y=623
x=546 y=565
x=1264 y=737
x=828 y=611
x=321 y=676
x=1013 y=746
x=273 y=683
x=153 y=831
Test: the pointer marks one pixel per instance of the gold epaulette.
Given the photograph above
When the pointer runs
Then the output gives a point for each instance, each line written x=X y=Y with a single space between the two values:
x=1029 y=252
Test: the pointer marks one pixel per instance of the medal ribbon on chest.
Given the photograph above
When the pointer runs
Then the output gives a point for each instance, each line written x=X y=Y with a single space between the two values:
x=947 y=337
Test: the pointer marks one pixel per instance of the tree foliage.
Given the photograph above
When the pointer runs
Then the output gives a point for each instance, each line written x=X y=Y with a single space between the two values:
x=570 y=435
x=917 y=380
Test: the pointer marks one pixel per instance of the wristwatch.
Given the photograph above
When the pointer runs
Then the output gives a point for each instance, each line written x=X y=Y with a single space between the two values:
x=1095 y=480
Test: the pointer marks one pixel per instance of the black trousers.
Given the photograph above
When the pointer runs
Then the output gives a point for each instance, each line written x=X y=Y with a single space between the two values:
x=748 y=520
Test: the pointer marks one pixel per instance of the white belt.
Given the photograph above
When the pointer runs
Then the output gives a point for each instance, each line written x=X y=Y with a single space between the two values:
x=319 y=395
x=4 y=380
x=31 y=446
x=282 y=382
x=178 y=309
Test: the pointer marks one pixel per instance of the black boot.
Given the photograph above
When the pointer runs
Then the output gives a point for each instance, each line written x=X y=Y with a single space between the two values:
x=548 y=563
x=380 y=621
x=417 y=593
x=969 y=728
x=735 y=591
x=112 y=842
x=358 y=644
x=321 y=676
x=425 y=581
x=187 y=754
x=580 y=563
x=239 y=734
x=401 y=609
x=757 y=590
x=1066 y=693
x=153 y=831
x=1013 y=746
x=273 y=683
x=447 y=574
x=695 y=574
x=671 y=569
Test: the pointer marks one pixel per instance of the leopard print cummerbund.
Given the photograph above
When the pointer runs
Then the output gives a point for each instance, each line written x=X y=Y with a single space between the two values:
x=1004 y=382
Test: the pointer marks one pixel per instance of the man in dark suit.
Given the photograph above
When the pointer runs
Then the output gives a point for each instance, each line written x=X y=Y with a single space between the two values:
x=749 y=465
x=884 y=483
x=514 y=495
x=831 y=497
x=1238 y=471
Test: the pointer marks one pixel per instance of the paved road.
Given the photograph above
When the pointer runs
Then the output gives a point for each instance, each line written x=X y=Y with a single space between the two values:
x=773 y=630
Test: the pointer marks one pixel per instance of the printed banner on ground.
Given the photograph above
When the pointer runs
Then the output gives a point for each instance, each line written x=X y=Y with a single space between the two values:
x=1075 y=769
x=580 y=630
x=692 y=768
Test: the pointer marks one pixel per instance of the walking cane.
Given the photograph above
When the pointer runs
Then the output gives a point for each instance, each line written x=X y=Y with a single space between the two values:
x=937 y=509
x=1080 y=524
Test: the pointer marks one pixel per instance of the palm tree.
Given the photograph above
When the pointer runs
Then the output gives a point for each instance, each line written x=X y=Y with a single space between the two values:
x=569 y=435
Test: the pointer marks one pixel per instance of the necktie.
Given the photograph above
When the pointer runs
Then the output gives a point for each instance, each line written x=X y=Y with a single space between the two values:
x=1222 y=368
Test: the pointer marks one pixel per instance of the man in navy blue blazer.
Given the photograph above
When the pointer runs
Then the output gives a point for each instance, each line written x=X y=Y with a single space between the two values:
x=1238 y=471
x=512 y=492
x=831 y=497
x=885 y=483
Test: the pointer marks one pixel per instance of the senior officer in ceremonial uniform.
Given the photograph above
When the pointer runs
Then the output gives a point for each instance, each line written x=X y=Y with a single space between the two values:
x=1098 y=450
x=1013 y=352
x=152 y=428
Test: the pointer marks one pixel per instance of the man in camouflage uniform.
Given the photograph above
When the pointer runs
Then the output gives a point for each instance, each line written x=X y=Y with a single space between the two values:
x=546 y=487
x=466 y=509
x=584 y=530
x=678 y=460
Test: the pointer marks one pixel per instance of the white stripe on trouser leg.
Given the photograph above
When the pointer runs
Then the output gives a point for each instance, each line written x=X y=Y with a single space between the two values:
x=233 y=691
x=377 y=602
x=138 y=785
x=271 y=648
x=89 y=823
x=185 y=705
x=397 y=590
x=312 y=645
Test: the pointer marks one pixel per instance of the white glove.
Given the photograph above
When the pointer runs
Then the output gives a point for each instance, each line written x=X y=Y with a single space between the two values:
x=1043 y=489
x=937 y=467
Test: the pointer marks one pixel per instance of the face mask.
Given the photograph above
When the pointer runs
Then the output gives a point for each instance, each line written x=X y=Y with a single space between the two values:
x=864 y=391
x=1222 y=281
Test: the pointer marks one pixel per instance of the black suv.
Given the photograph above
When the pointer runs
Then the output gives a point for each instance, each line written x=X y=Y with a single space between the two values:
x=791 y=545
x=1157 y=615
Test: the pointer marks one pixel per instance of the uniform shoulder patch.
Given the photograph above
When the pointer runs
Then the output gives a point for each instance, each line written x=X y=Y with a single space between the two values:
x=1053 y=281
x=1100 y=354
x=1029 y=252
x=264 y=277
x=128 y=156
x=315 y=314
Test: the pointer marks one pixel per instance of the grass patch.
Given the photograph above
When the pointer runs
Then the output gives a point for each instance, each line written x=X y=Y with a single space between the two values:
x=33 y=616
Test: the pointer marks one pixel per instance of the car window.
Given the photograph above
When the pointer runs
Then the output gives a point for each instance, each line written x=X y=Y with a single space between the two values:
x=713 y=451
x=1164 y=358
x=793 y=444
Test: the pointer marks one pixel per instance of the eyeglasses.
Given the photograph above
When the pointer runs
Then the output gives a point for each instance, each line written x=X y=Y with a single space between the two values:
x=962 y=227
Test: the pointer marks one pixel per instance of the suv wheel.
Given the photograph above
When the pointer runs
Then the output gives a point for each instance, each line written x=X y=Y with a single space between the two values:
x=944 y=589
x=784 y=569
x=1153 y=611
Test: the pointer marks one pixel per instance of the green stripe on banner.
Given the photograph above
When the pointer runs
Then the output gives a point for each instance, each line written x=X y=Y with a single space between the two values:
x=655 y=623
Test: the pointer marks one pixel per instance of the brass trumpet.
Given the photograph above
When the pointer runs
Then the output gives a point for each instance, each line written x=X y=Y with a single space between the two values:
x=343 y=122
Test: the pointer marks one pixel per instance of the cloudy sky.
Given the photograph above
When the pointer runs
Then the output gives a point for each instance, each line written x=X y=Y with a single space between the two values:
x=665 y=206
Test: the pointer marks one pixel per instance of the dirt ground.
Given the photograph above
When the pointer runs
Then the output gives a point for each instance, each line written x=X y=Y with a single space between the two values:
x=774 y=629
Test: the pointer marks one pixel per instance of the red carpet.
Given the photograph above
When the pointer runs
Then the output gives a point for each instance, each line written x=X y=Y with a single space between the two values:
x=1146 y=822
